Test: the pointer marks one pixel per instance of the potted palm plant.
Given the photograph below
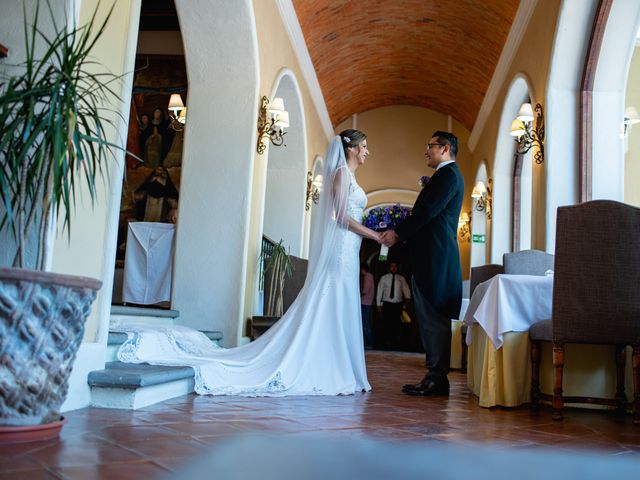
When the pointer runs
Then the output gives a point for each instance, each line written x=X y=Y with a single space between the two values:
x=54 y=112
x=277 y=267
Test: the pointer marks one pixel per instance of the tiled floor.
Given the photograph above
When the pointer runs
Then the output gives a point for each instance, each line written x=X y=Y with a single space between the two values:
x=101 y=443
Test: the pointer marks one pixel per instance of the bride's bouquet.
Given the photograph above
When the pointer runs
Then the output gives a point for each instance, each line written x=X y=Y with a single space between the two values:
x=383 y=218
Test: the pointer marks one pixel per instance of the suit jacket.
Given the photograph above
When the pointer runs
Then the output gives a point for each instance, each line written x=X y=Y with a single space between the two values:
x=431 y=232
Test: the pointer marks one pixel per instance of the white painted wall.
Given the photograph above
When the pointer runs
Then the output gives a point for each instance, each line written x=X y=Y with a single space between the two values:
x=284 y=213
x=218 y=160
x=609 y=91
x=91 y=250
x=479 y=223
x=562 y=108
x=526 y=197
x=502 y=208
x=11 y=26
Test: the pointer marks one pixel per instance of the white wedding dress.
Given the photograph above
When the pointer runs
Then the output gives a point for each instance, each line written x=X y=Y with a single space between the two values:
x=316 y=348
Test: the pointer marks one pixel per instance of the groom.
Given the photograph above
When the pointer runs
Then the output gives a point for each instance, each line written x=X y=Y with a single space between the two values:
x=431 y=234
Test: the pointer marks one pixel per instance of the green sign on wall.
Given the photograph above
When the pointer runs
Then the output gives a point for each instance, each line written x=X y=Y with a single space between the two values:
x=479 y=238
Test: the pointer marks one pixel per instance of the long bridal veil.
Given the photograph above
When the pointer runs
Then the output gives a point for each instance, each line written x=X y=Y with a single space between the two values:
x=330 y=216
x=314 y=349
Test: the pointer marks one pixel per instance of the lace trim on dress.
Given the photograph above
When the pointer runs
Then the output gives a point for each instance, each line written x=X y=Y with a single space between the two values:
x=274 y=387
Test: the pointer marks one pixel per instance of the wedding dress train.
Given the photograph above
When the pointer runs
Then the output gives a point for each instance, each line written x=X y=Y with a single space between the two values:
x=316 y=348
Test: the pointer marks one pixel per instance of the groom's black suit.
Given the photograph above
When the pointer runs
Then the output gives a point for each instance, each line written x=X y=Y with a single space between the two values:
x=431 y=234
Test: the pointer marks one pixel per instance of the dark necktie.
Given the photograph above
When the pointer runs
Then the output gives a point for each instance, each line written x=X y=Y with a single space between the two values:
x=393 y=286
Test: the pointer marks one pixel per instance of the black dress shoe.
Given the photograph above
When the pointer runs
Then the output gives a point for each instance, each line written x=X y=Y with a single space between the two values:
x=430 y=388
x=413 y=386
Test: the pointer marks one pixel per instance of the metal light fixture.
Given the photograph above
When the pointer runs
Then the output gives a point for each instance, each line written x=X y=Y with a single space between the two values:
x=481 y=197
x=528 y=135
x=313 y=189
x=631 y=117
x=271 y=123
x=464 y=227
x=177 y=112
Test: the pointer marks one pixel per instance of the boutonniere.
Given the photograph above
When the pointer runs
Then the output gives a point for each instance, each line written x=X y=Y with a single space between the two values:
x=424 y=180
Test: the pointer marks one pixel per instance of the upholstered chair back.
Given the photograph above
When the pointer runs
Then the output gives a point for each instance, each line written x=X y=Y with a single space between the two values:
x=481 y=274
x=596 y=294
x=527 y=262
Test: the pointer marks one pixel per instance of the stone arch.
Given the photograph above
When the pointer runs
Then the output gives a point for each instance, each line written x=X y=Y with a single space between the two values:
x=317 y=169
x=479 y=222
x=391 y=196
x=284 y=202
x=505 y=176
x=218 y=162
x=609 y=87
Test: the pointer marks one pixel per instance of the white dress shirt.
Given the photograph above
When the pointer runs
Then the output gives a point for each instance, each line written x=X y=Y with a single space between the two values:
x=401 y=289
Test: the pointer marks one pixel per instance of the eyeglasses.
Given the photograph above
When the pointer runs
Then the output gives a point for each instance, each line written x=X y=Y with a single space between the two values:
x=431 y=145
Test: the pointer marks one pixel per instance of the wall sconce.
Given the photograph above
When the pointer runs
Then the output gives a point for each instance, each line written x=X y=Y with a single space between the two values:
x=631 y=117
x=177 y=112
x=313 y=189
x=464 y=227
x=526 y=134
x=481 y=197
x=271 y=123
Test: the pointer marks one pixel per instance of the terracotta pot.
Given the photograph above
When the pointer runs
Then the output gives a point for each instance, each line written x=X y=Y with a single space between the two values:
x=32 y=433
x=42 y=317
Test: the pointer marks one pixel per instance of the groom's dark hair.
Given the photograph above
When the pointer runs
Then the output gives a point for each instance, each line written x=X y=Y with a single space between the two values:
x=447 y=138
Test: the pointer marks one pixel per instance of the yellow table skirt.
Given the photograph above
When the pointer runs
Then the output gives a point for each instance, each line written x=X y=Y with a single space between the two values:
x=503 y=377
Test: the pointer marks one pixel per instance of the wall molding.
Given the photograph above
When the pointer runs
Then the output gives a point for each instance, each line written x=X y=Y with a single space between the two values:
x=518 y=28
x=290 y=20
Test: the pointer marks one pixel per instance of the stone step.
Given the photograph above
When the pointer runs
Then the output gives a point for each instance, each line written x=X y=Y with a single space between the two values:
x=150 y=316
x=133 y=386
x=117 y=338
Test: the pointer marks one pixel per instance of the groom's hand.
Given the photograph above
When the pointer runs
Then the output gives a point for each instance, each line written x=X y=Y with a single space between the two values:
x=389 y=238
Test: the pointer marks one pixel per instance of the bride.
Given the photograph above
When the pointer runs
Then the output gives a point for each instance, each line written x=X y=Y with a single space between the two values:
x=316 y=348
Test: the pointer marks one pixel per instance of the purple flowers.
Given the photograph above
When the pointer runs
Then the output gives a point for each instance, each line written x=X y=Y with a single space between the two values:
x=380 y=218
x=423 y=180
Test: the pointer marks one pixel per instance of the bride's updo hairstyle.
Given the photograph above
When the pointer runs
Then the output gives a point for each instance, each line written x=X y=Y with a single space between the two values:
x=351 y=138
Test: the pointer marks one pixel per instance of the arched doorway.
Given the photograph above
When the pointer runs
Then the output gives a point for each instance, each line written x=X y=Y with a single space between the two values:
x=219 y=157
x=152 y=179
x=511 y=213
x=480 y=215
x=608 y=99
x=284 y=201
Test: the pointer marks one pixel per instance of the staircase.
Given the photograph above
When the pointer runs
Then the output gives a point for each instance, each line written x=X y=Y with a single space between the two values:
x=132 y=386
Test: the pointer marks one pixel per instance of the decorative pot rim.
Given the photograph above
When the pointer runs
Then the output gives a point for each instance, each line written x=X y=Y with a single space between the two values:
x=74 y=281
x=30 y=433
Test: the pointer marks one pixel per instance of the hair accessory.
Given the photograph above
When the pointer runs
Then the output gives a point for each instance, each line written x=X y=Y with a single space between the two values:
x=346 y=139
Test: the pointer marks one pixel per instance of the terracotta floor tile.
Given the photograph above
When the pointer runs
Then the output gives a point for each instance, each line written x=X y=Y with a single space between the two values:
x=39 y=474
x=129 y=471
x=119 y=444
x=86 y=452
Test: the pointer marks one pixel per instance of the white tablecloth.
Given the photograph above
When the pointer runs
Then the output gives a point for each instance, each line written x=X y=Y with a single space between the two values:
x=148 y=263
x=509 y=303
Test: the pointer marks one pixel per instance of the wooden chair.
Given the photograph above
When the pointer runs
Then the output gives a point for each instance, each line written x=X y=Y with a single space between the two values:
x=595 y=295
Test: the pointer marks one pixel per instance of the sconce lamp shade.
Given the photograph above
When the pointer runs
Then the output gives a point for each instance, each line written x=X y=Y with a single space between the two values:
x=282 y=119
x=631 y=116
x=526 y=113
x=277 y=106
x=182 y=118
x=479 y=190
x=175 y=103
x=517 y=128
x=464 y=217
x=318 y=181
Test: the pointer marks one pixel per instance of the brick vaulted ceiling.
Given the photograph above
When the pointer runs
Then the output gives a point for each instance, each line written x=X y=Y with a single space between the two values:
x=436 y=54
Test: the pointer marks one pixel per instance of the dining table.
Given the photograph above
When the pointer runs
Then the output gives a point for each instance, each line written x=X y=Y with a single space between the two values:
x=498 y=317
x=148 y=267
